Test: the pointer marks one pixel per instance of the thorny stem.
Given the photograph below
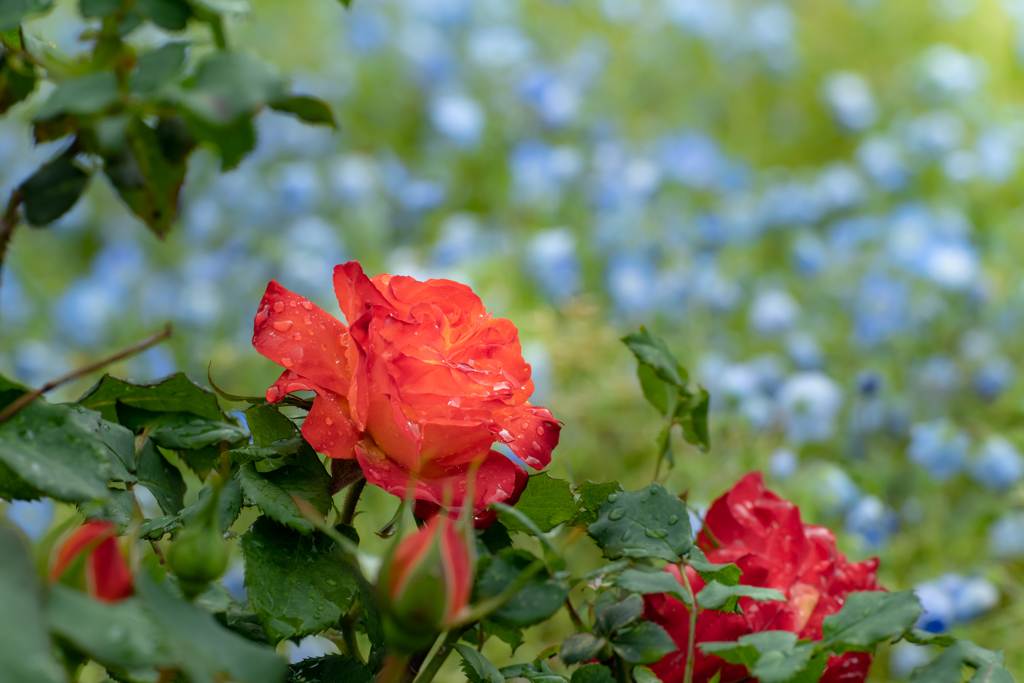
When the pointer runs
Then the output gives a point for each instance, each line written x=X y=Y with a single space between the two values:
x=350 y=502
x=428 y=672
x=575 y=616
x=8 y=222
x=23 y=400
x=688 y=675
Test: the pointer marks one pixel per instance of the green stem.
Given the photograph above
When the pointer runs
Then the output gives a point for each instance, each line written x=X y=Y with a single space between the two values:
x=575 y=617
x=688 y=674
x=428 y=672
x=622 y=670
x=217 y=28
x=349 y=510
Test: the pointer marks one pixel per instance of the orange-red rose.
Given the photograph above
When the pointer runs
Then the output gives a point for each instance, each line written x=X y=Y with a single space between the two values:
x=763 y=534
x=418 y=387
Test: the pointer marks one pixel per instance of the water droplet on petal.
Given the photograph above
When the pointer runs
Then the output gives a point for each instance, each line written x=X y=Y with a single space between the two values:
x=308 y=306
x=540 y=431
x=273 y=394
x=617 y=514
x=612 y=497
x=287 y=362
x=292 y=304
x=306 y=319
x=297 y=336
x=323 y=347
x=283 y=325
x=279 y=306
x=329 y=421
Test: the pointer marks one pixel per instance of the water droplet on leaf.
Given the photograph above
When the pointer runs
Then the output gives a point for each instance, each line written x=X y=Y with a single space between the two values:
x=617 y=514
x=612 y=497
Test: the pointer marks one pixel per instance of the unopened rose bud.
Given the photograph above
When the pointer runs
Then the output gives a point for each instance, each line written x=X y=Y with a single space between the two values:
x=198 y=554
x=424 y=584
x=106 y=573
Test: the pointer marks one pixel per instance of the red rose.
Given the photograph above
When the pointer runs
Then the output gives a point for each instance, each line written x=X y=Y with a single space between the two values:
x=107 y=576
x=418 y=386
x=763 y=534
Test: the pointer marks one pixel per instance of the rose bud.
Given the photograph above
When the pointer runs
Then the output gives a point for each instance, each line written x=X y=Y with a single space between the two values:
x=94 y=551
x=198 y=554
x=424 y=584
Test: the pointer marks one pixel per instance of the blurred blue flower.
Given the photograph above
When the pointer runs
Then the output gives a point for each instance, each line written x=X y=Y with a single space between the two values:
x=938 y=614
x=939 y=447
x=234 y=581
x=497 y=47
x=998 y=152
x=954 y=599
x=842 y=187
x=947 y=73
x=632 y=283
x=783 y=463
x=84 y=313
x=904 y=657
x=834 y=490
x=773 y=312
x=353 y=177
x=938 y=375
x=552 y=259
x=810 y=402
x=993 y=378
x=14 y=304
x=555 y=100
x=541 y=370
x=460 y=240
x=540 y=172
x=880 y=310
x=458 y=118
x=998 y=464
x=849 y=97
x=368 y=30
x=32 y=517
x=691 y=159
x=1006 y=535
x=872 y=520
x=883 y=161
x=804 y=350
x=973 y=597
x=310 y=248
x=298 y=187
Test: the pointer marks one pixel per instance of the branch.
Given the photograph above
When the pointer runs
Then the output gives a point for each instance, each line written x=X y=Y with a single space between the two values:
x=688 y=673
x=23 y=400
x=8 y=222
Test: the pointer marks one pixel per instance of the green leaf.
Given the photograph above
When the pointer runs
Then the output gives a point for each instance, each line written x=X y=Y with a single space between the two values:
x=643 y=643
x=659 y=393
x=148 y=182
x=612 y=616
x=93 y=9
x=274 y=492
x=949 y=665
x=695 y=425
x=541 y=597
x=478 y=669
x=581 y=647
x=495 y=537
x=647 y=583
x=724 y=598
x=232 y=141
x=725 y=574
x=782 y=666
x=156 y=528
x=268 y=458
x=229 y=504
x=121 y=442
x=163 y=479
x=16 y=83
x=650 y=522
x=641 y=674
x=55 y=449
x=156 y=68
x=13 y=11
x=298 y=584
x=206 y=651
x=25 y=649
x=535 y=672
x=329 y=668
x=52 y=190
x=89 y=94
x=653 y=352
x=309 y=109
x=229 y=85
x=593 y=673
x=868 y=618
x=511 y=636
x=546 y=501
x=174 y=394
x=268 y=425
x=224 y=6
x=591 y=495
x=119 y=507
x=181 y=431
x=120 y=634
x=172 y=15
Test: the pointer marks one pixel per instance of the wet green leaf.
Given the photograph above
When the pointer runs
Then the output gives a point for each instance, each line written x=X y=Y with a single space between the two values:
x=724 y=598
x=546 y=501
x=174 y=394
x=478 y=669
x=650 y=522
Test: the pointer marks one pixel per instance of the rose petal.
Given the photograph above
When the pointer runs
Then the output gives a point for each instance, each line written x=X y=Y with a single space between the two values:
x=328 y=428
x=534 y=432
x=109 y=575
x=302 y=337
x=495 y=480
